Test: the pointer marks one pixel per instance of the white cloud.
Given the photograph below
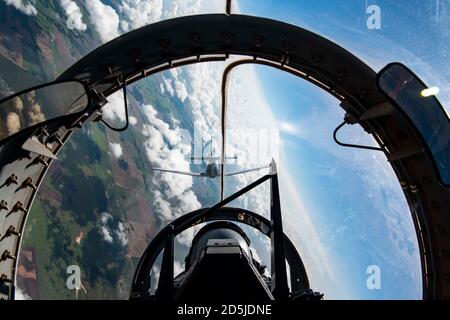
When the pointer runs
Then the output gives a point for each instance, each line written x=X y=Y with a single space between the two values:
x=23 y=6
x=173 y=196
x=110 y=233
x=115 y=108
x=167 y=86
x=173 y=136
x=154 y=276
x=120 y=232
x=187 y=7
x=12 y=123
x=106 y=234
x=21 y=295
x=105 y=217
x=74 y=15
x=138 y=13
x=116 y=149
x=104 y=230
x=181 y=90
x=177 y=267
x=104 y=18
x=198 y=86
x=35 y=113
x=132 y=120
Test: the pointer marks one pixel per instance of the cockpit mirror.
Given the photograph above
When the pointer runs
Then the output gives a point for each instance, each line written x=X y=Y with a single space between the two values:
x=40 y=104
x=419 y=103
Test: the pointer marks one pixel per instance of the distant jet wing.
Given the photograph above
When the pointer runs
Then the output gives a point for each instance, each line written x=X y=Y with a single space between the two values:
x=194 y=174
x=244 y=171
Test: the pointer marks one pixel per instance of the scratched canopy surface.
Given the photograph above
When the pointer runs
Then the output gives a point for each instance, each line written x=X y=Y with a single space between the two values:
x=101 y=203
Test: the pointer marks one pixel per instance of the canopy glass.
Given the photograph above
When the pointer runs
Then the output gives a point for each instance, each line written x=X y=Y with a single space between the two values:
x=103 y=201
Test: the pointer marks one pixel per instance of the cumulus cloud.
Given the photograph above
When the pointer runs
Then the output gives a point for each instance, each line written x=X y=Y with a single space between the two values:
x=132 y=120
x=116 y=149
x=166 y=85
x=174 y=86
x=104 y=230
x=35 y=113
x=111 y=230
x=12 y=123
x=115 y=108
x=120 y=232
x=198 y=87
x=104 y=18
x=33 y=108
x=106 y=234
x=181 y=90
x=138 y=13
x=173 y=9
x=23 y=6
x=173 y=136
x=105 y=217
x=74 y=15
x=16 y=104
x=165 y=148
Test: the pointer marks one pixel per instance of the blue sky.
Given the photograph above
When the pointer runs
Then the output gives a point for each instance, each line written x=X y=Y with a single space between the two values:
x=416 y=33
